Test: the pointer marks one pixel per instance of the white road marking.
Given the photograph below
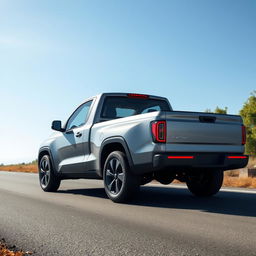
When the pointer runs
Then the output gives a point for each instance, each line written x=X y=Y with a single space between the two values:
x=225 y=189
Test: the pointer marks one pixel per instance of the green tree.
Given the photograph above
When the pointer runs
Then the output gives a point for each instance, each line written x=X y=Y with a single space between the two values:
x=34 y=161
x=217 y=110
x=248 y=112
x=221 y=110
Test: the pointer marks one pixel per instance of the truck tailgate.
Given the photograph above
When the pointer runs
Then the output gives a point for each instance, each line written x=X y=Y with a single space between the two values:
x=203 y=128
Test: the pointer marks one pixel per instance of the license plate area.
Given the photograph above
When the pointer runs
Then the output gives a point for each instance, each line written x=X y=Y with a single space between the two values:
x=210 y=159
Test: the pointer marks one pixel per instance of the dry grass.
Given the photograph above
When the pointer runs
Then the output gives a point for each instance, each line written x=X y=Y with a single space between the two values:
x=20 y=168
x=239 y=182
x=232 y=173
x=4 y=251
x=252 y=162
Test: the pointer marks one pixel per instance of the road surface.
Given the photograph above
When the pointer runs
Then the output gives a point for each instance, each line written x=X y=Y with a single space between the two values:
x=80 y=220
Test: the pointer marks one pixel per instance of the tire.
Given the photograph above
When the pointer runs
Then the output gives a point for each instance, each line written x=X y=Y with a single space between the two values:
x=205 y=183
x=49 y=182
x=165 y=177
x=120 y=184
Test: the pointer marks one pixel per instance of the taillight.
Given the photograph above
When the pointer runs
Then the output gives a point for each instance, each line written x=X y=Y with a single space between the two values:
x=243 y=135
x=180 y=157
x=236 y=157
x=159 y=131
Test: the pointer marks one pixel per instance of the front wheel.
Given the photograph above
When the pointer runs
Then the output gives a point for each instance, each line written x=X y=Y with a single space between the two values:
x=120 y=183
x=205 y=183
x=49 y=182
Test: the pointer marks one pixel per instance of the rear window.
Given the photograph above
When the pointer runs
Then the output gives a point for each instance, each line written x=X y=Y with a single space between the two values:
x=117 y=107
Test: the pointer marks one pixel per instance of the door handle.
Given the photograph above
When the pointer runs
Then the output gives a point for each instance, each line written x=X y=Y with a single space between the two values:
x=78 y=134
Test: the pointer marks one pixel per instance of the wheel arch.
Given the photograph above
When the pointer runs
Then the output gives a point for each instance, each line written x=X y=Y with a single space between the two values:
x=46 y=151
x=113 y=144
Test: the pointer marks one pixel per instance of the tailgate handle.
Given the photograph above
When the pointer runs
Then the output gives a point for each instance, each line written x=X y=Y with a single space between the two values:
x=207 y=119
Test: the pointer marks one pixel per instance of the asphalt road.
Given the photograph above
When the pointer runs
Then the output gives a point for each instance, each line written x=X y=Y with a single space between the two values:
x=80 y=220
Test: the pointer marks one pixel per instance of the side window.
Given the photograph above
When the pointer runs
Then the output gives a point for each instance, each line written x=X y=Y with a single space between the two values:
x=79 y=117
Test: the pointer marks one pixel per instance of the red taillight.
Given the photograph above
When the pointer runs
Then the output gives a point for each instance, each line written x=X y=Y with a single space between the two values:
x=180 y=157
x=159 y=131
x=243 y=135
x=136 y=95
x=237 y=157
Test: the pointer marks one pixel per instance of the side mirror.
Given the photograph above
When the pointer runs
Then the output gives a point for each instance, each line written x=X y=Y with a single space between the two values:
x=56 y=125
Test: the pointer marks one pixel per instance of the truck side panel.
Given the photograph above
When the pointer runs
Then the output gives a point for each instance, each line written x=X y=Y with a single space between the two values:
x=135 y=130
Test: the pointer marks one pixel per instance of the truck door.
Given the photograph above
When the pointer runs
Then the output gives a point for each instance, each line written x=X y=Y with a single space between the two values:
x=73 y=144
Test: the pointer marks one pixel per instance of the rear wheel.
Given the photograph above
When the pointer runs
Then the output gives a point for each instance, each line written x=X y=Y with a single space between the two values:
x=205 y=183
x=121 y=185
x=49 y=182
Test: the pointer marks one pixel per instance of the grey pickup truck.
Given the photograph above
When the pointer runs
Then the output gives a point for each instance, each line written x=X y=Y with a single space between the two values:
x=131 y=139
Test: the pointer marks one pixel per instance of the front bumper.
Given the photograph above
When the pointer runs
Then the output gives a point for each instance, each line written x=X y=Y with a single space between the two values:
x=222 y=161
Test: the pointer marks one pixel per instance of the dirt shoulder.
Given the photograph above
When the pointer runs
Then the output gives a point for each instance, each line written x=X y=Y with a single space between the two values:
x=20 y=168
x=6 y=250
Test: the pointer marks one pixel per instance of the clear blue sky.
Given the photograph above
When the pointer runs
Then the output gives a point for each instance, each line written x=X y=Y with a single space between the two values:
x=54 y=54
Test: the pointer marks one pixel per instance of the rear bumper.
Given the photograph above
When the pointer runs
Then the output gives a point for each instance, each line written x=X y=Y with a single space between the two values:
x=199 y=160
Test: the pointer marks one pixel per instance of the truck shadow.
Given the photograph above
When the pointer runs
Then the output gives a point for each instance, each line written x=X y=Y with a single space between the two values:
x=231 y=203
